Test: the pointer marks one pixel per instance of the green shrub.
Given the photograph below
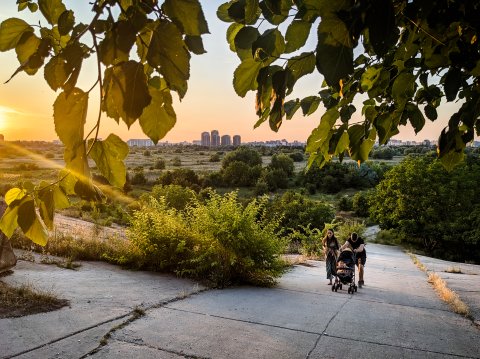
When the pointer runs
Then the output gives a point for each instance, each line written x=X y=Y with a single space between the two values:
x=296 y=156
x=345 y=203
x=309 y=239
x=138 y=178
x=176 y=161
x=219 y=240
x=160 y=164
x=176 y=196
x=184 y=177
x=147 y=153
x=282 y=162
x=215 y=158
x=360 y=204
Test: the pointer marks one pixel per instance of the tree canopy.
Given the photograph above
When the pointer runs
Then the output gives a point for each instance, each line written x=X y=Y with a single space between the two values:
x=398 y=59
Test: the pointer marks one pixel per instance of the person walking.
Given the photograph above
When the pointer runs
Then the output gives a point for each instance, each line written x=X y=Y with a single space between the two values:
x=358 y=246
x=330 y=249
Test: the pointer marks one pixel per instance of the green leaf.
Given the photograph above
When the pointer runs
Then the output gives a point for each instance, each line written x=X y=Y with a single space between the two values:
x=46 y=203
x=9 y=223
x=69 y=116
x=11 y=31
x=431 y=112
x=342 y=144
x=51 y=9
x=109 y=156
x=14 y=194
x=32 y=7
x=269 y=46
x=333 y=62
x=244 y=40
x=25 y=49
x=334 y=31
x=159 y=117
x=291 y=107
x=245 y=76
x=126 y=92
x=252 y=11
x=67 y=182
x=70 y=113
x=309 y=105
x=66 y=21
x=167 y=53
x=232 y=32
x=451 y=159
x=272 y=17
x=320 y=136
x=118 y=42
x=297 y=35
x=387 y=126
x=277 y=111
x=403 y=88
x=195 y=44
x=222 y=12
x=302 y=65
x=56 y=72
x=370 y=77
x=453 y=81
x=416 y=117
x=30 y=224
x=187 y=15
x=360 y=145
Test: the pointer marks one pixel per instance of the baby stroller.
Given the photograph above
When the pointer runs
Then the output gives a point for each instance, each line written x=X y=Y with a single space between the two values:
x=345 y=269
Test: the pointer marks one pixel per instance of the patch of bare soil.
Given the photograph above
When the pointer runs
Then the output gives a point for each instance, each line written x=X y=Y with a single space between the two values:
x=26 y=300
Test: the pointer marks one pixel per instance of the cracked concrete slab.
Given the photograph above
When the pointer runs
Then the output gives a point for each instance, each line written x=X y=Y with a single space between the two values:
x=396 y=315
x=98 y=292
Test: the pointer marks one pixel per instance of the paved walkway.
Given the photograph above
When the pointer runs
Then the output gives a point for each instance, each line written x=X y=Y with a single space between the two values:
x=396 y=315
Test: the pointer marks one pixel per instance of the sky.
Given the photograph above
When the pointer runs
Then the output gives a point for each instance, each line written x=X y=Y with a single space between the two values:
x=26 y=102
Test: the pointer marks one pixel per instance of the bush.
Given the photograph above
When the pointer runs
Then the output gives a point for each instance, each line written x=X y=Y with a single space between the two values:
x=238 y=173
x=184 y=177
x=176 y=196
x=139 y=178
x=345 y=203
x=297 y=210
x=261 y=188
x=247 y=155
x=160 y=164
x=214 y=158
x=275 y=178
x=296 y=156
x=176 y=161
x=282 y=162
x=309 y=240
x=360 y=204
x=220 y=241
x=147 y=153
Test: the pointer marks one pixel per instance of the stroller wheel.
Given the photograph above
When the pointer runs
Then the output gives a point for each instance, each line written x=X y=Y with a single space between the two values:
x=355 y=288
x=333 y=287
x=336 y=288
x=349 y=290
x=340 y=286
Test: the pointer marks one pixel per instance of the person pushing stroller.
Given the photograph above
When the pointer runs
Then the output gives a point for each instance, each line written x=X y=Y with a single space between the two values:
x=358 y=247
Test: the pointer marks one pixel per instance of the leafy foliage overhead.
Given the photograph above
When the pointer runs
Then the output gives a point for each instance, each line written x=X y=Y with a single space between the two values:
x=399 y=59
x=142 y=50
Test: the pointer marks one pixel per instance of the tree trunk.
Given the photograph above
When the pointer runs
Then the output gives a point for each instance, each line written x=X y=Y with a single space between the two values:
x=7 y=257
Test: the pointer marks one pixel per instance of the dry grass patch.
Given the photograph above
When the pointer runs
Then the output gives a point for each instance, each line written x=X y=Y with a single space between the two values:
x=417 y=262
x=26 y=300
x=448 y=295
x=454 y=270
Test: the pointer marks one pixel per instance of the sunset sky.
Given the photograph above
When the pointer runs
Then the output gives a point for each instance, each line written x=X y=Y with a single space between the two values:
x=210 y=103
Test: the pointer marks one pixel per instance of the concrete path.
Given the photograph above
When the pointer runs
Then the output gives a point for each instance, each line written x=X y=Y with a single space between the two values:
x=396 y=315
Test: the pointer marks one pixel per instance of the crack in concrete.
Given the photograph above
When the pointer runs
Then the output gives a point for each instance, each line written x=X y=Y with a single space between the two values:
x=131 y=314
x=185 y=355
x=134 y=317
x=398 y=346
x=67 y=336
x=324 y=331
x=372 y=301
x=243 y=321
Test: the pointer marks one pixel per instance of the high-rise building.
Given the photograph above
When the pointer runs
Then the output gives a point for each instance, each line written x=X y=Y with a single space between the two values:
x=205 y=139
x=226 y=140
x=215 y=138
x=237 y=141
